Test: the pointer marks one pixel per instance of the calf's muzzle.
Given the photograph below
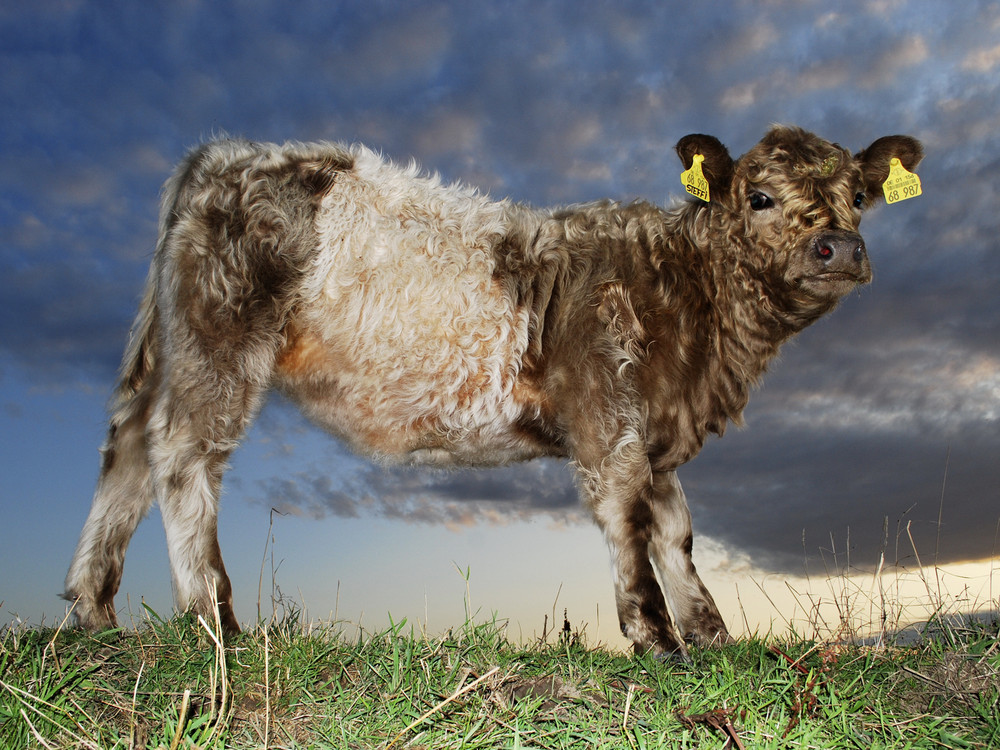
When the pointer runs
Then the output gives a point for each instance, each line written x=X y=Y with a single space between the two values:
x=843 y=253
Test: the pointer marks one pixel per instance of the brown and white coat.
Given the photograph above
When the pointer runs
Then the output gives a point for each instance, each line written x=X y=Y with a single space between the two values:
x=426 y=323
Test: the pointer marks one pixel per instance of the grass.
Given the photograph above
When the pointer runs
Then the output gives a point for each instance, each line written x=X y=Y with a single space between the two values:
x=174 y=684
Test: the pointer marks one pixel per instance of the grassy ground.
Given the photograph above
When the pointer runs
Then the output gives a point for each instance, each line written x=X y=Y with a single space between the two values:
x=173 y=684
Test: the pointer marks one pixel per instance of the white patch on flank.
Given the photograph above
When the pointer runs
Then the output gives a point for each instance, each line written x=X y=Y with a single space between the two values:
x=421 y=342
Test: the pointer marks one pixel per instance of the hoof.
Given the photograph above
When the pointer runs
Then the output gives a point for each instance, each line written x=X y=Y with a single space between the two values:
x=95 y=618
x=674 y=657
x=677 y=655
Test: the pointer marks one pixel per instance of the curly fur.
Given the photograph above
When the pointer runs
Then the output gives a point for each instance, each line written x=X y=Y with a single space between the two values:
x=424 y=322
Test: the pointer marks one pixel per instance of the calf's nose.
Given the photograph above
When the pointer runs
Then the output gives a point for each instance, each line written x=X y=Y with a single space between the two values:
x=841 y=249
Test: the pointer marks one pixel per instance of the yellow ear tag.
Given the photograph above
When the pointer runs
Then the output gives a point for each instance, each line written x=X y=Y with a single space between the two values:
x=901 y=185
x=694 y=179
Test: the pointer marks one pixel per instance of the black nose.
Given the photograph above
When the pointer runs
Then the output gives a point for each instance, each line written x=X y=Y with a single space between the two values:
x=840 y=248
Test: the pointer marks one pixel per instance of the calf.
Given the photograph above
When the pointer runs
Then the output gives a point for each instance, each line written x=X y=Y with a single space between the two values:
x=425 y=323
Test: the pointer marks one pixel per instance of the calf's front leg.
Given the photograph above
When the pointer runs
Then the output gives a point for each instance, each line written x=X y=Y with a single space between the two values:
x=620 y=494
x=698 y=619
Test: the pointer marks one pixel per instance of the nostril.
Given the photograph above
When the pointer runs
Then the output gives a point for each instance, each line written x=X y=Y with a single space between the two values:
x=825 y=252
x=859 y=253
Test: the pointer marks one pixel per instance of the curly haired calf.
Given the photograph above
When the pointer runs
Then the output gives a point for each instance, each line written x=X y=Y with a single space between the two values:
x=426 y=323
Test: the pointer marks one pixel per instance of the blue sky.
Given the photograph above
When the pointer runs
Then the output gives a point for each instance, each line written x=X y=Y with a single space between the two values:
x=871 y=417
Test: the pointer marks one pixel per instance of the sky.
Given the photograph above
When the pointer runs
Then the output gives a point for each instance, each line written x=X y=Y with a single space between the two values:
x=876 y=437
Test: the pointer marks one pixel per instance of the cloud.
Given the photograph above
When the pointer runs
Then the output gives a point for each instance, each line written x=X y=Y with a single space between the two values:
x=898 y=388
x=813 y=493
x=402 y=50
x=905 y=54
x=70 y=278
x=454 y=498
x=982 y=60
x=60 y=330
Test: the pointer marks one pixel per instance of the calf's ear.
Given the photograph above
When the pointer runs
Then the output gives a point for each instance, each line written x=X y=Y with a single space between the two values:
x=875 y=159
x=718 y=164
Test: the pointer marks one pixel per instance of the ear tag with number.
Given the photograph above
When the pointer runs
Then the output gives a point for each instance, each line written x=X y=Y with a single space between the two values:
x=694 y=179
x=901 y=184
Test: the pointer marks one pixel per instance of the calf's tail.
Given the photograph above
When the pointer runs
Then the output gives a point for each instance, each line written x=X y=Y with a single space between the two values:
x=140 y=353
x=140 y=358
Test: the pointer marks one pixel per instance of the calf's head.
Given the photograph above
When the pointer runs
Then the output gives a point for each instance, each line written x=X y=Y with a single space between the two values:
x=789 y=211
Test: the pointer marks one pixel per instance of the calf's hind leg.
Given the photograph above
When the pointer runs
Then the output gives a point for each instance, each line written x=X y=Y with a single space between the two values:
x=194 y=428
x=122 y=499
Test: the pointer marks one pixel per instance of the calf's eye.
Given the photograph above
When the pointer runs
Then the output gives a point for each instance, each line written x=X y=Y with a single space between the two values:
x=759 y=201
x=859 y=200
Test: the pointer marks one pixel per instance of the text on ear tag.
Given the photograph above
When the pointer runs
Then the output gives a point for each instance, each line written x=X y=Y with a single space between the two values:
x=694 y=179
x=901 y=184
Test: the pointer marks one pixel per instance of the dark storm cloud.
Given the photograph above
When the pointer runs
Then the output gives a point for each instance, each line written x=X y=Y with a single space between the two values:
x=810 y=494
x=548 y=103
x=421 y=495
